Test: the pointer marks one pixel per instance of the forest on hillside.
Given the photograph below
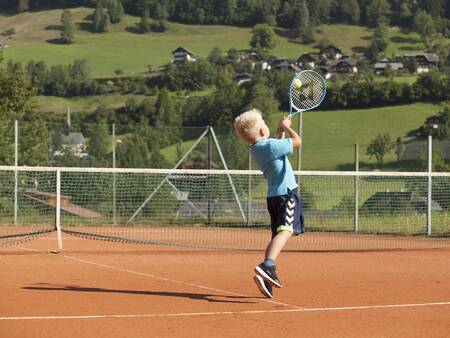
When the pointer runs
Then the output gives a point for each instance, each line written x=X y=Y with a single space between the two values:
x=283 y=13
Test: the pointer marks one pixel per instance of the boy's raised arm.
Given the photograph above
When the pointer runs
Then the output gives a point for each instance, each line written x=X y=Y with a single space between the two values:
x=285 y=126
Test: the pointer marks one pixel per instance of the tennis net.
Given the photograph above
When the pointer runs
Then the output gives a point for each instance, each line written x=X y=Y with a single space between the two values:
x=224 y=208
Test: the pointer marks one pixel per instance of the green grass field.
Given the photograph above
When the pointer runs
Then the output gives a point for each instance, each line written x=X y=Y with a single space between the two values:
x=329 y=136
x=81 y=104
x=122 y=48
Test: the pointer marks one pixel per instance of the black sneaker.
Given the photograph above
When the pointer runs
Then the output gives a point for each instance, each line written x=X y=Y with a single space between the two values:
x=263 y=286
x=269 y=274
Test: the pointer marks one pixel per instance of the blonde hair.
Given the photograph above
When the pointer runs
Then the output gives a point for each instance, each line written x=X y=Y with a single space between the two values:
x=247 y=125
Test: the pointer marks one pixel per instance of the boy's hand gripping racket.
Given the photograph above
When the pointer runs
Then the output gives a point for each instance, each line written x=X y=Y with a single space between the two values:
x=306 y=91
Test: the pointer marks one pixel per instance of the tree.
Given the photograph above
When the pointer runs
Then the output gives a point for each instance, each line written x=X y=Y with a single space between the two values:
x=399 y=148
x=17 y=104
x=115 y=10
x=68 y=29
x=379 y=147
x=216 y=56
x=133 y=153
x=378 y=10
x=347 y=11
x=436 y=8
x=378 y=43
x=411 y=65
x=226 y=102
x=144 y=24
x=99 y=144
x=161 y=12
x=100 y=19
x=263 y=37
x=166 y=114
x=23 y=5
x=262 y=97
x=33 y=142
x=285 y=15
x=302 y=24
x=425 y=26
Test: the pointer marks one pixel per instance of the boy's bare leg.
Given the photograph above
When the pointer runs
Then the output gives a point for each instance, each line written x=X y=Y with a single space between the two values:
x=266 y=270
x=277 y=244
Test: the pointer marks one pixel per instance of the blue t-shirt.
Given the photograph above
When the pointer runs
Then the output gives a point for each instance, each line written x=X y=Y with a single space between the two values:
x=271 y=156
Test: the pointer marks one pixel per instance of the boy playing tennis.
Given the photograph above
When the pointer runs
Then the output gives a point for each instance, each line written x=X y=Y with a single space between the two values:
x=283 y=200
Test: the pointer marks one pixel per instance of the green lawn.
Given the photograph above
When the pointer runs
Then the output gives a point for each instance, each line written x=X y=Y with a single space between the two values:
x=122 y=48
x=353 y=39
x=81 y=104
x=329 y=136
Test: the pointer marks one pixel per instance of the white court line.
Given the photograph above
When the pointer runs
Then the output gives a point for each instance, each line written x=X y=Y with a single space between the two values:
x=221 y=313
x=176 y=281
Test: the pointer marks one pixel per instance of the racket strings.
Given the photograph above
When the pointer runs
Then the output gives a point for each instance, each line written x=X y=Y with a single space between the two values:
x=310 y=94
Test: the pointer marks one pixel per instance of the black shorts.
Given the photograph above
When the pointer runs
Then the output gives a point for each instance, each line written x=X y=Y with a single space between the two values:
x=286 y=213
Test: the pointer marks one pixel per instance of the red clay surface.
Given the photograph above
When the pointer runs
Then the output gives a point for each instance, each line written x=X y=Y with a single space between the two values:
x=101 y=289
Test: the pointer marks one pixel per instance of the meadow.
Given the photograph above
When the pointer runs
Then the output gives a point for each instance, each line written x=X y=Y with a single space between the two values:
x=125 y=49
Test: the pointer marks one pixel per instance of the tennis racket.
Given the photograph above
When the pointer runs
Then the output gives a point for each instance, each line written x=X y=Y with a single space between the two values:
x=306 y=92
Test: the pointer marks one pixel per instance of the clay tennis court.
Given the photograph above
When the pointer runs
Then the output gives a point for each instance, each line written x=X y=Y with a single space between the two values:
x=103 y=289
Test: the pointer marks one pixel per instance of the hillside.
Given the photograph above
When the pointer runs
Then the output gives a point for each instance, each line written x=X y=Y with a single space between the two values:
x=123 y=48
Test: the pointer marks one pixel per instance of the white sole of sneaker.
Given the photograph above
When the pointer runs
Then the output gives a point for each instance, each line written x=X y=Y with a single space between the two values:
x=261 y=286
x=264 y=275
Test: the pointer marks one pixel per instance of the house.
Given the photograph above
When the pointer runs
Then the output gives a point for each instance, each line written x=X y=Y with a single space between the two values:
x=343 y=66
x=279 y=64
x=331 y=53
x=73 y=142
x=324 y=71
x=308 y=60
x=182 y=55
x=284 y=65
x=418 y=149
x=254 y=59
x=240 y=79
x=424 y=61
x=380 y=67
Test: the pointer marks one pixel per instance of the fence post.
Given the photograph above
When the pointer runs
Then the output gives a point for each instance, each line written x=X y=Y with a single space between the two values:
x=357 y=187
x=58 y=208
x=16 y=163
x=299 y=149
x=209 y=164
x=114 y=173
x=249 y=195
x=430 y=170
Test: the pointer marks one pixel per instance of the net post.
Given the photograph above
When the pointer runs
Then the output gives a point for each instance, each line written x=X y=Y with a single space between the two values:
x=58 y=208
x=16 y=163
x=430 y=170
x=356 y=187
